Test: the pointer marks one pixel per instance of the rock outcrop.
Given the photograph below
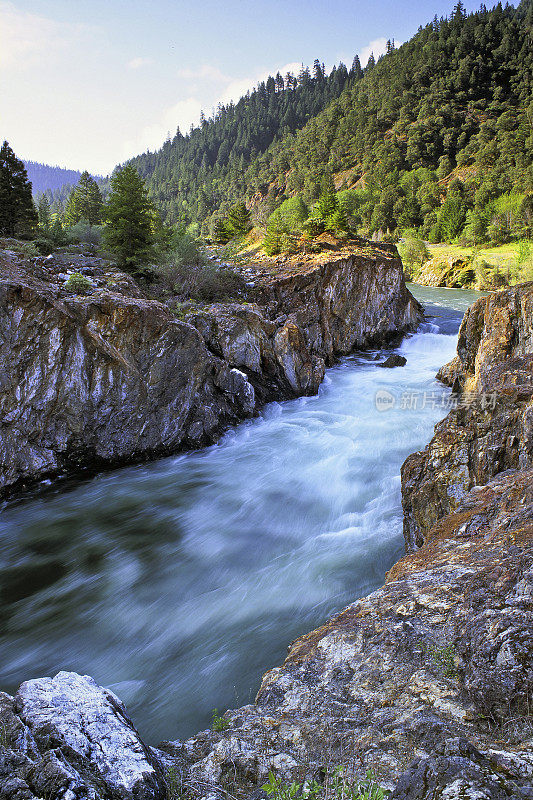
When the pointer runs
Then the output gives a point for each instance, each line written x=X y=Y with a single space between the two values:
x=66 y=737
x=100 y=379
x=427 y=682
x=458 y=273
x=491 y=429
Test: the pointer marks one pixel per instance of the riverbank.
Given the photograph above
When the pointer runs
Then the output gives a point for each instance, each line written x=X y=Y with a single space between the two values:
x=435 y=666
x=106 y=377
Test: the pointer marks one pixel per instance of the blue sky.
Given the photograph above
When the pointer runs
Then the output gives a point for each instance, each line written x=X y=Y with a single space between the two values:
x=87 y=84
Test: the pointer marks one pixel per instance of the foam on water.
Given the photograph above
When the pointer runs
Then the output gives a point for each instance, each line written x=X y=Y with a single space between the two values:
x=180 y=582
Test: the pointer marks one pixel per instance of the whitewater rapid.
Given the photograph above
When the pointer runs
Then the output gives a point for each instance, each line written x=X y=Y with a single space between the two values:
x=178 y=583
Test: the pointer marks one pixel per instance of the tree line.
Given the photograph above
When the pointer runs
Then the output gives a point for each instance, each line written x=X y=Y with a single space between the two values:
x=127 y=224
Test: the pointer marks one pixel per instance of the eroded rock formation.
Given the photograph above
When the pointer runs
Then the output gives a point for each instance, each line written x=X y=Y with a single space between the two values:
x=96 y=380
x=491 y=429
x=427 y=682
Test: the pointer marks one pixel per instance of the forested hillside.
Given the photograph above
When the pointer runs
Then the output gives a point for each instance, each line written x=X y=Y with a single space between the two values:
x=436 y=136
x=193 y=176
x=45 y=178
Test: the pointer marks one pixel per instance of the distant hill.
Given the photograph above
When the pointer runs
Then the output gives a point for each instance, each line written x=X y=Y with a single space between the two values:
x=45 y=178
x=433 y=137
x=193 y=176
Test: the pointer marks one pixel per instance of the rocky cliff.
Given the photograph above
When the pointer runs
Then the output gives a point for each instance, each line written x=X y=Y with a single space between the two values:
x=108 y=376
x=427 y=682
x=491 y=428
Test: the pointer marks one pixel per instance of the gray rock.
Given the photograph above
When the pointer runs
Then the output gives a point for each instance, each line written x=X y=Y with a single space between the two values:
x=70 y=738
x=394 y=361
x=113 y=378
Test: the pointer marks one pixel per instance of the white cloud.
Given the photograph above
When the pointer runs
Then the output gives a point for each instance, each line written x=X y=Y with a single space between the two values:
x=152 y=136
x=205 y=72
x=187 y=112
x=28 y=38
x=137 y=63
x=376 y=46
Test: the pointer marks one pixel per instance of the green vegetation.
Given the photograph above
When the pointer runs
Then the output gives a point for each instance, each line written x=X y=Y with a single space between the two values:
x=85 y=202
x=78 y=283
x=337 y=785
x=236 y=224
x=435 y=138
x=129 y=228
x=173 y=783
x=198 y=177
x=433 y=143
x=218 y=723
x=487 y=267
x=444 y=659
x=414 y=255
x=18 y=215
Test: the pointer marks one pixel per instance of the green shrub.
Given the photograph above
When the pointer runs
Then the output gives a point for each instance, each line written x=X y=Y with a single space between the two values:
x=84 y=233
x=78 y=283
x=173 y=783
x=218 y=723
x=336 y=786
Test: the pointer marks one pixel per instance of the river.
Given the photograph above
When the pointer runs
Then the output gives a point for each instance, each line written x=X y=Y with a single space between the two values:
x=178 y=583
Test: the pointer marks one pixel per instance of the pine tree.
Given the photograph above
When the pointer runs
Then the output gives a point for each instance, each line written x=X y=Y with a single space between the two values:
x=272 y=243
x=45 y=217
x=327 y=202
x=238 y=221
x=221 y=234
x=18 y=215
x=128 y=233
x=85 y=202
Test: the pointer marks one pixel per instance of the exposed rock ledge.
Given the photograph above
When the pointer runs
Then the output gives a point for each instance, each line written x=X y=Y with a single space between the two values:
x=427 y=681
x=93 y=381
x=492 y=428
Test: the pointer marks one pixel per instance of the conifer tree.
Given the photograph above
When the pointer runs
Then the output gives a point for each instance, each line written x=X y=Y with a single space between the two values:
x=128 y=232
x=238 y=221
x=221 y=234
x=18 y=216
x=327 y=202
x=85 y=202
x=273 y=241
x=45 y=216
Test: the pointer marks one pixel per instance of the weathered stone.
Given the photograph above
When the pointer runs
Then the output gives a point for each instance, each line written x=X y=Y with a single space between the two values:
x=69 y=738
x=394 y=361
x=492 y=428
x=88 y=382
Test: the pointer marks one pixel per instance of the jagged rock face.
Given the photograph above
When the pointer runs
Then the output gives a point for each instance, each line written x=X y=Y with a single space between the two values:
x=308 y=316
x=89 y=382
x=93 y=381
x=436 y=666
x=492 y=428
x=66 y=737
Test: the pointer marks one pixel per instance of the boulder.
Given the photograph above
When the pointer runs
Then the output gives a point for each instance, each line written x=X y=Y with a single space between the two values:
x=393 y=361
x=69 y=738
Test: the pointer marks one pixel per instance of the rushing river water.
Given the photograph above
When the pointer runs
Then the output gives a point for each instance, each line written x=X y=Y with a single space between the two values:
x=178 y=583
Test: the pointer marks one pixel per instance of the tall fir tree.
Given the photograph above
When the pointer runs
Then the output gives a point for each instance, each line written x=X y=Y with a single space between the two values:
x=238 y=221
x=327 y=202
x=18 y=215
x=128 y=232
x=44 y=212
x=85 y=202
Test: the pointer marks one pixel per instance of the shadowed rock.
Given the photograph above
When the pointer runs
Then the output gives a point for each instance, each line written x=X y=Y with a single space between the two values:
x=394 y=361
